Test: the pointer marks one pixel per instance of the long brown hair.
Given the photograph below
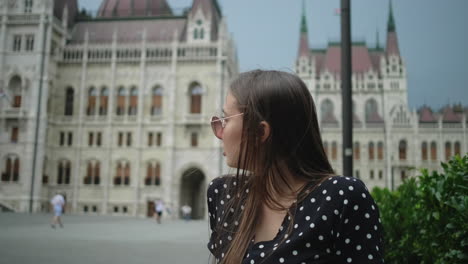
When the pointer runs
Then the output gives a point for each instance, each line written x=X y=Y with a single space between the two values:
x=293 y=150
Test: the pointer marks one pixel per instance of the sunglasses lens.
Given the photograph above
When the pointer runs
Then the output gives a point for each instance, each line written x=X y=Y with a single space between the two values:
x=216 y=126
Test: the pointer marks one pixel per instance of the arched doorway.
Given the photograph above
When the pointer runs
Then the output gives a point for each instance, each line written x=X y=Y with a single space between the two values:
x=192 y=192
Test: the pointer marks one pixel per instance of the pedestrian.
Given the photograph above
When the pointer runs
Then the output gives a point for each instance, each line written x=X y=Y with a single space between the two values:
x=186 y=211
x=58 y=205
x=159 y=209
x=284 y=203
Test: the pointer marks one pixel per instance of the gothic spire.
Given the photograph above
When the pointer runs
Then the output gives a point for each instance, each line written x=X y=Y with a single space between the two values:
x=303 y=19
x=392 y=39
x=303 y=42
x=377 y=40
x=391 y=20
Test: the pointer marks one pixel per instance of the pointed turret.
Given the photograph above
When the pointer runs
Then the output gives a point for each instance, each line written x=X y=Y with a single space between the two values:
x=203 y=21
x=392 y=39
x=208 y=7
x=377 y=40
x=71 y=11
x=305 y=65
x=391 y=20
x=303 y=41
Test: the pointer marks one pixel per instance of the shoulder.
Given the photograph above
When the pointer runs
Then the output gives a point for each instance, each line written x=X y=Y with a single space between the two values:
x=343 y=186
x=339 y=192
x=218 y=184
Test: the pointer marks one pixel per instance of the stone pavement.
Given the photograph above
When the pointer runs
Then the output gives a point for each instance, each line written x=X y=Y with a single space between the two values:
x=28 y=238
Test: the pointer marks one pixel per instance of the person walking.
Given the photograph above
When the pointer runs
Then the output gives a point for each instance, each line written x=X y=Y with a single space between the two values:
x=58 y=204
x=186 y=212
x=159 y=209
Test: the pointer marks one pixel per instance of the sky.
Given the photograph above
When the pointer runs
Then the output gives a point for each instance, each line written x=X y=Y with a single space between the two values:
x=430 y=34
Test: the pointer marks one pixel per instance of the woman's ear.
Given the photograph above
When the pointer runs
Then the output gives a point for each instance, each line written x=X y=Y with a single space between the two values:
x=265 y=130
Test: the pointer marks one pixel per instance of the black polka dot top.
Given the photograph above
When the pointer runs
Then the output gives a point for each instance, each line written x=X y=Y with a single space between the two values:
x=338 y=222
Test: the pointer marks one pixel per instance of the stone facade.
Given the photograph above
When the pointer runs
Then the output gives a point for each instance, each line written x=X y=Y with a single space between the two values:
x=389 y=138
x=125 y=104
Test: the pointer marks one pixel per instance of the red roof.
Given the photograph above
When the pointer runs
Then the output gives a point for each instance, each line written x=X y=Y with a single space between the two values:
x=375 y=59
x=132 y=8
x=207 y=7
x=426 y=115
x=72 y=6
x=128 y=31
x=304 y=46
x=392 y=44
x=330 y=61
x=448 y=116
x=374 y=118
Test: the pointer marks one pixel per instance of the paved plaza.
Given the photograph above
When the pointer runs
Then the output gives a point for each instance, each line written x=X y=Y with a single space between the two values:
x=29 y=238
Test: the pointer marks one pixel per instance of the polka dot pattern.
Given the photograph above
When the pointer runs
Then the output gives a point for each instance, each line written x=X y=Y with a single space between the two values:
x=338 y=222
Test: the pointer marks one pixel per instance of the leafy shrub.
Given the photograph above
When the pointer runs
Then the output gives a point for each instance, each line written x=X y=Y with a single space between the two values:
x=426 y=219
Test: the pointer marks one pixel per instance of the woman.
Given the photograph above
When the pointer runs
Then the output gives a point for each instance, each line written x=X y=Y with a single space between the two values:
x=284 y=204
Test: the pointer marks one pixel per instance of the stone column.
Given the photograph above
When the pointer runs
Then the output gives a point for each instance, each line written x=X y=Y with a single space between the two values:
x=171 y=188
x=140 y=120
x=79 y=132
x=107 y=181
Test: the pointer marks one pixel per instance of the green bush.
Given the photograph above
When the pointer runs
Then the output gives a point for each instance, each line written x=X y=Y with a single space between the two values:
x=426 y=219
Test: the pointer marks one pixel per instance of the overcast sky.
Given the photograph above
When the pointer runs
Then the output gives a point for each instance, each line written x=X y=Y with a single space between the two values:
x=430 y=32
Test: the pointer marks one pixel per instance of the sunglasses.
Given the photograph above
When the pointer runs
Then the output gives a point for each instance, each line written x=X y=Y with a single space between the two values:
x=219 y=123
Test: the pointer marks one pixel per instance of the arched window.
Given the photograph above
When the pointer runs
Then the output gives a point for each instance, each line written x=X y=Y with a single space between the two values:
x=380 y=150
x=92 y=173
x=357 y=151
x=45 y=177
x=371 y=110
x=448 y=150
x=8 y=170
x=195 y=98
x=92 y=95
x=16 y=169
x=424 y=150
x=433 y=151
x=132 y=109
x=371 y=174
x=195 y=33
x=326 y=110
x=120 y=101
x=402 y=149
x=12 y=169
x=67 y=172
x=97 y=172
x=202 y=33
x=15 y=90
x=153 y=174
x=371 y=150
x=457 y=149
x=325 y=147
x=89 y=173
x=156 y=102
x=334 y=150
x=69 y=97
x=64 y=172
x=194 y=139
x=119 y=174
x=127 y=174
x=104 y=101
x=60 y=173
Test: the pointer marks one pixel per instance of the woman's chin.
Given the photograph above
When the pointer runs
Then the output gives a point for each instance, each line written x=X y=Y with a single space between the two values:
x=230 y=163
